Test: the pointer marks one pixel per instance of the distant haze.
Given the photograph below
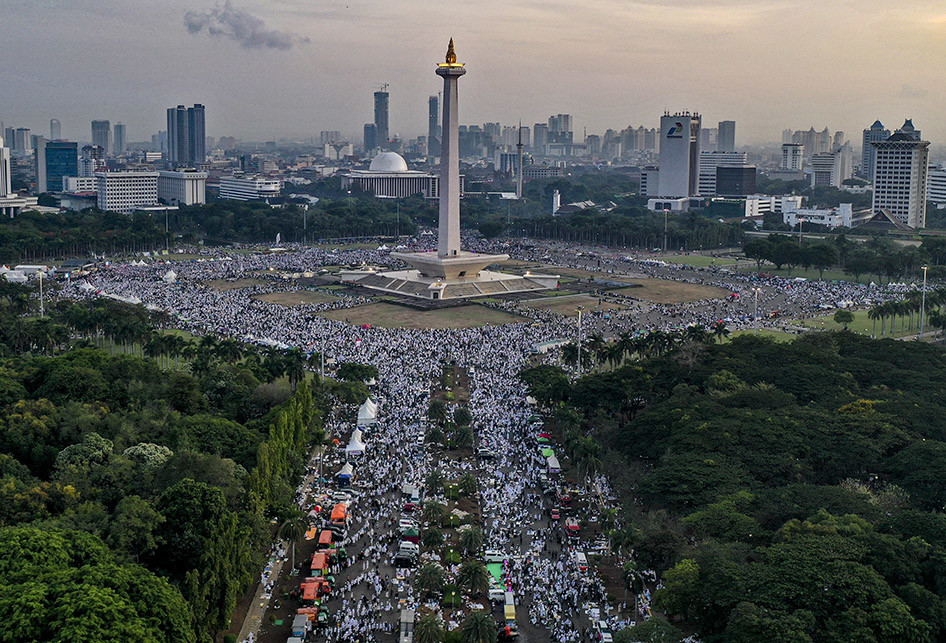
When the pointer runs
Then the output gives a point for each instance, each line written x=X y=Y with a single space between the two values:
x=290 y=68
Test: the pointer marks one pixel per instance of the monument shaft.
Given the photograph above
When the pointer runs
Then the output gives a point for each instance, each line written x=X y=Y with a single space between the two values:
x=448 y=240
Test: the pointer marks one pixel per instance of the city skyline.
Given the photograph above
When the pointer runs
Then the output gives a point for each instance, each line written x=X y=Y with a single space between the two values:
x=344 y=52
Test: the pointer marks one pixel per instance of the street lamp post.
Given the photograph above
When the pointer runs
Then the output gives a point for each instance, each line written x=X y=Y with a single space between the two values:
x=580 y=308
x=923 y=302
x=755 y=315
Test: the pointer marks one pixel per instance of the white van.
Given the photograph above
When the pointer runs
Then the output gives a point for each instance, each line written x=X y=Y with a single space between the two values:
x=582 y=561
x=497 y=595
x=493 y=556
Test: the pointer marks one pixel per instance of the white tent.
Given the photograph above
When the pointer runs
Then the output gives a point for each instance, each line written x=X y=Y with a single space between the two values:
x=355 y=446
x=169 y=277
x=346 y=472
x=86 y=287
x=368 y=413
x=15 y=276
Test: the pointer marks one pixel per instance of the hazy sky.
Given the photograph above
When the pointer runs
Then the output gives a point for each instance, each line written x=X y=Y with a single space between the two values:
x=274 y=68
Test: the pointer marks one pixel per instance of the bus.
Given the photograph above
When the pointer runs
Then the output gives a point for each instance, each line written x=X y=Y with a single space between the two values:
x=509 y=616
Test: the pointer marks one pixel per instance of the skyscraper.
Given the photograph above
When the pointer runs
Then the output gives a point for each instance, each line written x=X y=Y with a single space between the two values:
x=55 y=130
x=197 y=134
x=102 y=134
x=5 y=184
x=875 y=132
x=54 y=160
x=540 y=138
x=22 y=143
x=793 y=157
x=371 y=137
x=381 y=116
x=726 y=136
x=119 y=147
x=679 y=155
x=901 y=165
x=433 y=125
x=187 y=143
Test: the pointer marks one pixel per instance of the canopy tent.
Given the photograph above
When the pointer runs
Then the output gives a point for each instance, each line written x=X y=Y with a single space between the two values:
x=543 y=440
x=368 y=413
x=169 y=277
x=339 y=512
x=355 y=447
x=411 y=535
x=346 y=472
x=548 y=453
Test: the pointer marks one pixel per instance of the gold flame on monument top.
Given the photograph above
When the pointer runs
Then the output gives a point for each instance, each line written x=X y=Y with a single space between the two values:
x=451 y=59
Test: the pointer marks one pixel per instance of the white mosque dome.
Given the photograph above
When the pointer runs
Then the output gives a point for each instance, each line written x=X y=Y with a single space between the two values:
x=388 y=162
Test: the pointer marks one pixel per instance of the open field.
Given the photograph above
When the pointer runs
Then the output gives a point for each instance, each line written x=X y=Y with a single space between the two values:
x=568 y=305
x=224 y=285
x=699 y=261
x=861 y=324
x=579 y=273
x=394 y=316
x=664 y=291
x=296 y=297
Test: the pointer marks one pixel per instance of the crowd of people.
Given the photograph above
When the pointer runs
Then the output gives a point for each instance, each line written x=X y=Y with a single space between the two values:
x=556 y=600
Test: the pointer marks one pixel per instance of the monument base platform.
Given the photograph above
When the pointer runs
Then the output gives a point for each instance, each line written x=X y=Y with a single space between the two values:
x=412 y=283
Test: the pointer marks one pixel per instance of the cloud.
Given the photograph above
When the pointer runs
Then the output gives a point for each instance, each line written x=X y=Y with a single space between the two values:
x=906 y=91
x=238 y=25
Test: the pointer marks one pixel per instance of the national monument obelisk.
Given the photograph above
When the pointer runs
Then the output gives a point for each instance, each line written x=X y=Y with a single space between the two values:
x=450 y=272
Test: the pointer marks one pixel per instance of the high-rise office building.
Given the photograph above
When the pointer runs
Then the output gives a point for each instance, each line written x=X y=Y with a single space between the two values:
x=102 y=134
x=875 y=132
x=679 y=155
x=187 y=136
x=197 y=130
x=901 y=165
x=125 y=191
x=186 y=187
x=433 y=125
x=793 y=157
x=831 y=169
x=371 y=137
x=709 y=161
x=560 y=123
x=93 y=160
x=5 y=183
x=726 y=136
x=540 y=138
x=381 y=117
x=735 y=180
x=22 y=143
x=55 y=129
x=54 y=160
x=8 y=135
x=119 y=146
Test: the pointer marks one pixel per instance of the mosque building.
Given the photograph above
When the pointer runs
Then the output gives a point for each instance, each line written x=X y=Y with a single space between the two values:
x=388 y=177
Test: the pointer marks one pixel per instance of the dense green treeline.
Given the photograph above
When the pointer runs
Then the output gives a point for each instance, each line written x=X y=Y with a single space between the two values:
x=147 y=494
x=788 y=491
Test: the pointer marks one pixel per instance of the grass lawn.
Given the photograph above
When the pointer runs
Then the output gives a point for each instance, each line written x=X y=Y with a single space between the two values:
x=349 y=246
x=700 y=261
x=811 y=273
x=296 y=297
x=568 y=305
x=664 y=291
x=224 y=285
x=861 y=324
x=393 y=316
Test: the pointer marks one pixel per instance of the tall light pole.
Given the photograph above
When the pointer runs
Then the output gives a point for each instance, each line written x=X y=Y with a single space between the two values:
x=666 y=213
x=922 y=302
x=42 y=312
x=755 y=315
x=580 y=308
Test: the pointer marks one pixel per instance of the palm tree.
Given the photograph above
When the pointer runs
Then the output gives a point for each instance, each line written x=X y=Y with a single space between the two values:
x=634 y=582
x=434 y=481
x=229 y=350
x=433 y=512
x=872 y=314
x=467 y=484
x=430 y=579
x=595 y=345
x=429 y=629
x=292 y=529
x=570 y=354
x=720 y=331
x=479 y=627
x=463 y=437
x=437 y=411
x=432 y=538
x=471 y=540
x=294 y=360
x=473 y=577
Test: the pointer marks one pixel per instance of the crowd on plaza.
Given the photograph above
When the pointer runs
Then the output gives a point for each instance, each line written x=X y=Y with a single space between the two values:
x=555 y=596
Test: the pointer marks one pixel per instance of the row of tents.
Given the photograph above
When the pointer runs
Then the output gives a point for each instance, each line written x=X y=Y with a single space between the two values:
x=367 y=416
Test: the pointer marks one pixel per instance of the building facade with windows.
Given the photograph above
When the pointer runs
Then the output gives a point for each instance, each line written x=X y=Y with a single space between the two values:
x=901 y=167
x=126 y=191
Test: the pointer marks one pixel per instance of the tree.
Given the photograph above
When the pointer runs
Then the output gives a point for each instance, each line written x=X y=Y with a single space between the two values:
x=430 y=579
x=471 y=539
x=479 y=627
x=653 y=630
x=433 y=512
x=432 y=538
x=132 y=528
x=822 y=256
x=462 y=416
x=354 y=372
x=634 y=583
x=429 y=629
x=490 y=229
x=293 y=528
x=758 y=249
x=437 y=411
x=463 y=437
x=467 y=484
x=680 y=592
x=720 y=331
x=844 y=317
x=473 y=577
